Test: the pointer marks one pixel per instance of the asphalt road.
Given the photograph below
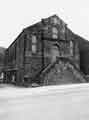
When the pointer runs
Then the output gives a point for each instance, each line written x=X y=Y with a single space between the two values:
x=68 y=102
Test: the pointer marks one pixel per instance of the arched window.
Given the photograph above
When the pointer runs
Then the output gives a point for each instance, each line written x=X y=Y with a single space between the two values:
x=34 y=44
x=54 y=33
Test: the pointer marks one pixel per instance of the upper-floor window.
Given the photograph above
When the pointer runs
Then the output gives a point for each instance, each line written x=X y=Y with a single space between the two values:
x=27 y=43
x=63 y=28
x=54 y=33
x=71 y=47
x=34 y=44
x=55 y=20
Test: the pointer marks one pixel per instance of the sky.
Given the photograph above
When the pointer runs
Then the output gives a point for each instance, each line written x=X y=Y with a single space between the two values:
x=15 y=15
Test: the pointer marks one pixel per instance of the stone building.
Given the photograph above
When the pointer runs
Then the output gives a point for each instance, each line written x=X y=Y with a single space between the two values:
x=2 y=53
x=44 y=44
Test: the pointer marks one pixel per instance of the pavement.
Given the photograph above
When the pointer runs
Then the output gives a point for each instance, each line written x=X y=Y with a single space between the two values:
x=5 y=85
x=61 y=102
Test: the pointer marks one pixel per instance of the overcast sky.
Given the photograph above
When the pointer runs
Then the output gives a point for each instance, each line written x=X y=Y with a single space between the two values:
x=18 y=14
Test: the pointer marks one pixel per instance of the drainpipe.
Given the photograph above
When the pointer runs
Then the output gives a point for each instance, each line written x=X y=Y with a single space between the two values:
x=42 y=41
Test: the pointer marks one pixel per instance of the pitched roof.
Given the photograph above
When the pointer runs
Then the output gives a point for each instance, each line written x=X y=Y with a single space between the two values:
x=45 y=20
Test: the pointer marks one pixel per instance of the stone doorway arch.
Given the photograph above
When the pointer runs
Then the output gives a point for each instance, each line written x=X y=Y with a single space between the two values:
x=54 y=52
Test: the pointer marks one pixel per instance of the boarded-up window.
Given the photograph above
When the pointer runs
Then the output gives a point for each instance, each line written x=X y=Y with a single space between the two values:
x=62 y=30
x=27 y=42
x=34 y=44
x=55 y=20
x=54 y=53
x=71 y=47
x=54 y=33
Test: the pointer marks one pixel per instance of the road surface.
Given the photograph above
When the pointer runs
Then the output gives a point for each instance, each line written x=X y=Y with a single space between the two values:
x=65 y=102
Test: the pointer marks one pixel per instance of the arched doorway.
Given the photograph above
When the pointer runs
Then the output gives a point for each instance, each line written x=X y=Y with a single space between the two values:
x=54 y=52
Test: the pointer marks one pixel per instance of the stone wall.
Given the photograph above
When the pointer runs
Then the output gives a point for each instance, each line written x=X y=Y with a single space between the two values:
x=61 y=72
x=50 y=53
x=53 y=40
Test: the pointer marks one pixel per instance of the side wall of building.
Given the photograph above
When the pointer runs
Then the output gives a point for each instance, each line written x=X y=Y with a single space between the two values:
x=14 y=59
